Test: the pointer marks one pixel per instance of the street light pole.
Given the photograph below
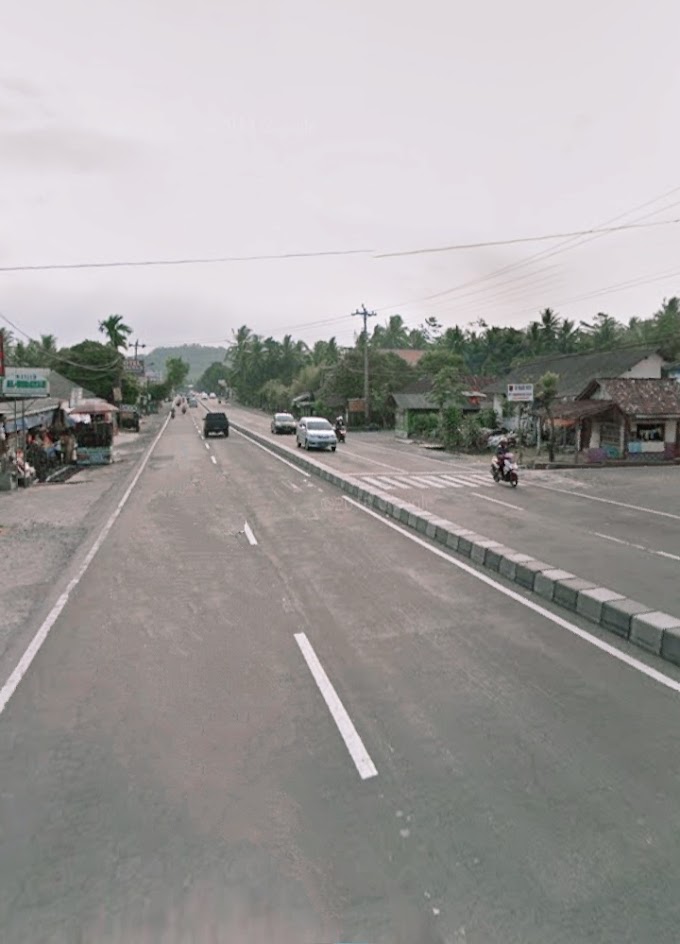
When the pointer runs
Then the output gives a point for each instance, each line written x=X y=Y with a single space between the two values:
x=363 y=313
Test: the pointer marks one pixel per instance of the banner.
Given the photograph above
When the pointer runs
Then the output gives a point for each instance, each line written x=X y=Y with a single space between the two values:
x=25 y=383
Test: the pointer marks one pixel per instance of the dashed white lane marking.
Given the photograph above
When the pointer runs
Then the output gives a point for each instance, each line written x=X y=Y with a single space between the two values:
x=252 y=540
x=207 y=445
x=630 y=661
x=35 y=644
x=213 y=460
x=496 y=501
x=355 y=745
x=638 y=547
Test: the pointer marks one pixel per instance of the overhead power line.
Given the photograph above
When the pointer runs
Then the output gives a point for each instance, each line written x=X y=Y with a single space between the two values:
x=428 y=250
x=565 y=246
x=53 y=356
x=526 y=239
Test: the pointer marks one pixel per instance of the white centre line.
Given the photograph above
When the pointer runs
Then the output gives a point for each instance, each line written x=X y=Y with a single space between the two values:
x=207 y=445
x=213 y=460
x=630 y=661
x=638 y=547
x=252 y=540
x=35 y=644
x=355 y=745
x=496 y=501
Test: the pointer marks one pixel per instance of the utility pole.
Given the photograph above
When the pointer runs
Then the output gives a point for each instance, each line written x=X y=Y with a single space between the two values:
x=363 y=313
x=137 y=345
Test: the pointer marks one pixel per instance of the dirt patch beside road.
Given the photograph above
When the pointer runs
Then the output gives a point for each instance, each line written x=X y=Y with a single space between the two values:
x=43 y=527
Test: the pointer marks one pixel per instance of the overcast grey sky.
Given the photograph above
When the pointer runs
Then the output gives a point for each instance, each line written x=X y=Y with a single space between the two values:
x=141 y=129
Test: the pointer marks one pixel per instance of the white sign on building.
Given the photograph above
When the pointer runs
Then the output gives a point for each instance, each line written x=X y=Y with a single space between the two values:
x=520 y=393
x=25 y=383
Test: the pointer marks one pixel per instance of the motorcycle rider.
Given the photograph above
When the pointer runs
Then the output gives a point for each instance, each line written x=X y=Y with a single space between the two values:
x=340 y=427
x=501 y=454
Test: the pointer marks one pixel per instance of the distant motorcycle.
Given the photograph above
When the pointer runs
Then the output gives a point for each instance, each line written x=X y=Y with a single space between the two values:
x=172 y=413
x=184 y=409
x=341 y=433
x=505 y=470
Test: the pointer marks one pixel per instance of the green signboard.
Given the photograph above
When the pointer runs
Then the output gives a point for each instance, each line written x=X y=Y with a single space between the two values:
x=25 y=383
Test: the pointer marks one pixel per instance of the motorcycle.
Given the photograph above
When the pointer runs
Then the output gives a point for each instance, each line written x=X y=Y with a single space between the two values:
x=184 y=409
x=341 y=433
x=172 y=413
x=505 y=472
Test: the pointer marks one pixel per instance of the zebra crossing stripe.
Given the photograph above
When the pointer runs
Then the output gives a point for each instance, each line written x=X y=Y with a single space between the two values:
x=377 y=483
x=455 y=482
x=427 y=483
x=395 y=483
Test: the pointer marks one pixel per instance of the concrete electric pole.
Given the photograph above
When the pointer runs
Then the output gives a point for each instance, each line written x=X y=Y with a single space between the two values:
x=363 y=313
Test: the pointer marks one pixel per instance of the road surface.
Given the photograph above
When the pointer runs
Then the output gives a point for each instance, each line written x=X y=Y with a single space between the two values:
x=176 y=768
x=617 y=527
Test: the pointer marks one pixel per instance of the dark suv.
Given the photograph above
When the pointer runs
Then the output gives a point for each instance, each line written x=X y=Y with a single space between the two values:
x=215 y=423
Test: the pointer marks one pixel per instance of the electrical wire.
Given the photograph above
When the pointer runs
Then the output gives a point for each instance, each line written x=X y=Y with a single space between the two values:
x=564 y=246
x=215 y=260
x=49 y=355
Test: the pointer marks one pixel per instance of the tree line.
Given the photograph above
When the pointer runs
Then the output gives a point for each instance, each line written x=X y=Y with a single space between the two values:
x=95 y=365
x=270 y=374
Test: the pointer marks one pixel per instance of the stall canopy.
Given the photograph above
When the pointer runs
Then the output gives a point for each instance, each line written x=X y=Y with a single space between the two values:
x=94 y=405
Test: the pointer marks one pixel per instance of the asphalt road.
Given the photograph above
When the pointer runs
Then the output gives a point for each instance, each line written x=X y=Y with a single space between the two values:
x=171 y=771
x=617 y=527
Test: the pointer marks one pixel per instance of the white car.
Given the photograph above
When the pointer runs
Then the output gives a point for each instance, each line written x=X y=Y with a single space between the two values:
x=204 y=396
x=314 y=432
x=213 y=396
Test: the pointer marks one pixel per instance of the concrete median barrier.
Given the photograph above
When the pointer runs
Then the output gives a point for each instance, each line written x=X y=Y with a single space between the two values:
x=650 y=629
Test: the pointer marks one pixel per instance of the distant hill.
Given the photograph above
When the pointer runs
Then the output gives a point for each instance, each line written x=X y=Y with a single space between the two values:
x=197 y=356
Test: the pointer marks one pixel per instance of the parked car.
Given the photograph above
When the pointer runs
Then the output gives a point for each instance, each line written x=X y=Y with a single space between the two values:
x=215 y=424
x=314 y=432
x=283 y=423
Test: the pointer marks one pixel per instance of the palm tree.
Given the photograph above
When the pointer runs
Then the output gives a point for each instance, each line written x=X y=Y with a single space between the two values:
x=48 y=344
x=396 y=333
x=116 y=331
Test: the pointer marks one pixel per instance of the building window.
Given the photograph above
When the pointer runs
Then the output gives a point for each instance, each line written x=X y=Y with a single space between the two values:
x=648 y=432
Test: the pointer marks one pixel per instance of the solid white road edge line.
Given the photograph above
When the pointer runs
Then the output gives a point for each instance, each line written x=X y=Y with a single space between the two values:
x=35 y=644
x=630 y=661
x=353 y=742
x=606 y=501
x=252 y=540
x=272 y=453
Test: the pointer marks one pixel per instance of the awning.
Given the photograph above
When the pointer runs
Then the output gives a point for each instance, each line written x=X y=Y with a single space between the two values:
x=32 y=421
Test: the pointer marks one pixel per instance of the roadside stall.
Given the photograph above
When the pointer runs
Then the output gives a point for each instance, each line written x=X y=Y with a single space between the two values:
x=94 y=424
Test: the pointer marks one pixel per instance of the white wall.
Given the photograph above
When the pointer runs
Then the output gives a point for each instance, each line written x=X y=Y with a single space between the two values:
x=647 y=367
